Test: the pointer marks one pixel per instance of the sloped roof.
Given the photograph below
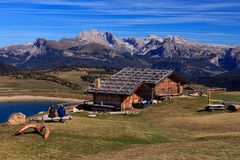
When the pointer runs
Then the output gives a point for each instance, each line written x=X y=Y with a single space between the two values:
x=150 y=76
x=128 y=80
x=113 y=86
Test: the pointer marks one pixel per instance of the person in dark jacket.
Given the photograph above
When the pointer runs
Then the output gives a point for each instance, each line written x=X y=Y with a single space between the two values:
x=61 y=113
x=52 y=112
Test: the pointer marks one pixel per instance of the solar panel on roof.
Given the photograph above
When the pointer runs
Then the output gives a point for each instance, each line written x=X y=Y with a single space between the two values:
x=130 y=78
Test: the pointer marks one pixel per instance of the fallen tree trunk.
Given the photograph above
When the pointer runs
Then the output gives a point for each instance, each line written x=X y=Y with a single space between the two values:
x=37 y=129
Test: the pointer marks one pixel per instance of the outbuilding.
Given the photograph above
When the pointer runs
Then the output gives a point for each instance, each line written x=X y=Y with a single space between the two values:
x=131 y=84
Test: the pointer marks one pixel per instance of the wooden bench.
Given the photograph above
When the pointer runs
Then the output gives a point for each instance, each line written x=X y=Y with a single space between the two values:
x=46 y=118
x=212 y=107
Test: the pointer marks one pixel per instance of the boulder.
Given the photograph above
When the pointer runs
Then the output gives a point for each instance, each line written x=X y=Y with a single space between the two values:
x=204 y=95
x=92 y=115
x=154 y=101
x=16 y=118
x=194 y=94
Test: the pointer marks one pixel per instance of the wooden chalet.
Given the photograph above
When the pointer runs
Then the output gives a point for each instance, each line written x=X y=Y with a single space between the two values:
x=131 y=84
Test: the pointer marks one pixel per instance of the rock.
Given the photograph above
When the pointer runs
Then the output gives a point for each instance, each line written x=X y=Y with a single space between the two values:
x=75 y=110
x=41 y=112
x=16 y=118
x=204 y=95
x=154 y=102
x=92 y=115
x=194 y=94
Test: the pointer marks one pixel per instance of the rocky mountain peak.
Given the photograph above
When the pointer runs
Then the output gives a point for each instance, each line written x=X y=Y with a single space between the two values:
x=176 y=39
x=92 y=36
x=28 y=43
x=93 y=33
x=154 y=38
x=105 y=46
x=40 y=42
x=136 y=42
x=111 y=39
x=104 y=38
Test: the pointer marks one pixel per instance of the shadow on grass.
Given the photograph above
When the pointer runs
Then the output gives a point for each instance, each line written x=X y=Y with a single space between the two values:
x=203 y=110
x=123 y=139
x=217 y=111
x=31 y=133
x=219 y=137
x=126 y=139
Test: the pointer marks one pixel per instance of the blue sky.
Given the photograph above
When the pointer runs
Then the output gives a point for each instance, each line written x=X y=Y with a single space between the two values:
x=207 y=21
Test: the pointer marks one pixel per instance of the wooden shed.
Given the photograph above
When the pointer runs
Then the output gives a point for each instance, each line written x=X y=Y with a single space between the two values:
x=132 y=84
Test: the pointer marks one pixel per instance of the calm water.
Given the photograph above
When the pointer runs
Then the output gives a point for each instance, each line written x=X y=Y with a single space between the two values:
x=27 y=108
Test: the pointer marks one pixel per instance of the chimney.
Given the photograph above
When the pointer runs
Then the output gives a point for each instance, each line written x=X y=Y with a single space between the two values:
x=98 y=84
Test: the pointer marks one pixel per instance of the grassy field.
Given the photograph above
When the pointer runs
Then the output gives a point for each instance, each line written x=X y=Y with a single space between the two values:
x=11 y=86
x=171 y=130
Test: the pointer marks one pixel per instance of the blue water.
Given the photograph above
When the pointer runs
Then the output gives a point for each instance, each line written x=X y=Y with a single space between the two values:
x=27 y=108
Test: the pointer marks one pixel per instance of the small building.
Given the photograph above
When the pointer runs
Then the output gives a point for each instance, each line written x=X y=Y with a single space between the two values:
x=131 y=84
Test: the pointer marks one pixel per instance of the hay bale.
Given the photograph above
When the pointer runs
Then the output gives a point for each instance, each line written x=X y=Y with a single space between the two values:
x=16 y=118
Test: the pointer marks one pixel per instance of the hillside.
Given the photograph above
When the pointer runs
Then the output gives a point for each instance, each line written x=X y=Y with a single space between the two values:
x=170 y=130
x=6 y=69
x=66 y=83
x=229 y=80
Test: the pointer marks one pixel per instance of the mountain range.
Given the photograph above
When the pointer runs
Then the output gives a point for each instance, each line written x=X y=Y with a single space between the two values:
x=103 y=49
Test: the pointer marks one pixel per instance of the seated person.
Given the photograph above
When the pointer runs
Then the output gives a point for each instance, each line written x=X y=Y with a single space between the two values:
x=52 y=112
x=61 y=113
x=143 y=102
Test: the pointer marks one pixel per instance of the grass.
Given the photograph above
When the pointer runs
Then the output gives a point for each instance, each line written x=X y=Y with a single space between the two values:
x=234 y=96
x=10 y=86
x=73 y=76
x=170 y=130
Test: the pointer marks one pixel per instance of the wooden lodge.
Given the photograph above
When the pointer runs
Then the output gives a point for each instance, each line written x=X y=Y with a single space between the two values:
x=131 y=85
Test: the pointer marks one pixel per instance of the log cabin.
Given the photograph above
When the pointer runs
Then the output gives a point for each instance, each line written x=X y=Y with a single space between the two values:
x=131 y=84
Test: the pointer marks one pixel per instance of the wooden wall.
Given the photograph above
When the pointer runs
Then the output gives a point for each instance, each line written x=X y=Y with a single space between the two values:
x=145 y=92
x=123 y=102
x=107 y=99
x=127 y=100
x=168 y=86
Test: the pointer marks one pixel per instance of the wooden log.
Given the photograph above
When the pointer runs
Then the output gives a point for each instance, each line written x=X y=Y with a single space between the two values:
x=36 y=128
